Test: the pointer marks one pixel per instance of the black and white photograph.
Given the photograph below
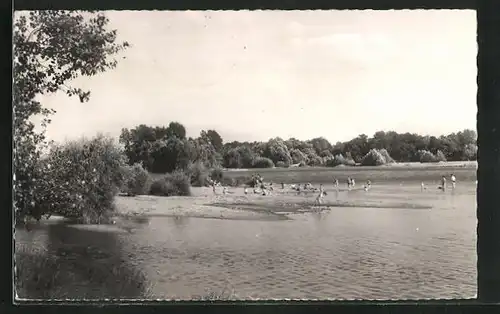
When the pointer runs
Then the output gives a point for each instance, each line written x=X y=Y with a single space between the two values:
x=245 y=155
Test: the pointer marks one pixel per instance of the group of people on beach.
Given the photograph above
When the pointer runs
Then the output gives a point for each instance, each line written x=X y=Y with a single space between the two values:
x=259 y=187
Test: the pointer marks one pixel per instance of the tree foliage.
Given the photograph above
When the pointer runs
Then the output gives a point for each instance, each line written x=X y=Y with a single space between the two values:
x=50 y=50
x=175 y=129
x=80 y=179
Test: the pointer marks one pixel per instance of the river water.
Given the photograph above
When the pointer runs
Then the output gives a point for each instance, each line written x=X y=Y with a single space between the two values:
x=343 y=253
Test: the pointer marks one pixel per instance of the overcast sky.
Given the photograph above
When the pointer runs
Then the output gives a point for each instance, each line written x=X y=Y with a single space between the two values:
x=253 y=75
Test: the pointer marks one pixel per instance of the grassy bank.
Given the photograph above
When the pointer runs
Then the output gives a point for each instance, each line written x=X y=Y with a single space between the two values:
x=397 y=173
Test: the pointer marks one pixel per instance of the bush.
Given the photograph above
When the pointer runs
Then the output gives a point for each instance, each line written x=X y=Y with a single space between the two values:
x=440 y=156
x=424 y=156
x=176 y=183
x=80 y=179
x=298 y=156
x=138 y=181
x=282 y=164
x=376 y=157
x=198 y=174
x=217 y=174
x=315 y=161
x=262 y=162
x=385 y=154
x=339 y=160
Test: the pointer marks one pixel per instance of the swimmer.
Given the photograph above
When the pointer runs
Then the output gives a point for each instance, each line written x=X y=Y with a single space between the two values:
x=422 y=186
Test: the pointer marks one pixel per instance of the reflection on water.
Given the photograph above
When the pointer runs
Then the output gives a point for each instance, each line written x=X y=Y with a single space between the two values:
x=84 y=262
x=344 y=253
x=179 y=222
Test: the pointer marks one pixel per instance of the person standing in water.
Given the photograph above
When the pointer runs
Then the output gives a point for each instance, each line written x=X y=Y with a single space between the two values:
x=368 y=185
x=263 y=188
x=212 y=182
x=335 y=183
x=443 y=183
x=348 y=183
x=453 y=181
x=321 y=194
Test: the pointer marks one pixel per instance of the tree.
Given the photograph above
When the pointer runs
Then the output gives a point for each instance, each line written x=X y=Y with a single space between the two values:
x=137 y=143
x=293 y=143
x=298 y=156
x=215 y=139
x=176 y=129
x=232 y=159
x=470 y=152
x=50 y=49
x=276 y=150
x=172 y=154
x=205 y=151
x=320 y=144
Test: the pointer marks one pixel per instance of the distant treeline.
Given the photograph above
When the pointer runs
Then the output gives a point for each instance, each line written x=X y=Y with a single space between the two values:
x=165 y=149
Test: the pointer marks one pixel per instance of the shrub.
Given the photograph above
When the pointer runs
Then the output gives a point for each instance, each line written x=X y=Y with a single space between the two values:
x=385 y=154
x=376 y=157
x=80 y=179
x=339 y=160
x=198 y=174
x=138 y=181
x=176 y=183
x=217 y=174
x=282 y=164
x=440 y=156
x=315 y=161
x=425 y=156
x=298 y=156
x=262 y=162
